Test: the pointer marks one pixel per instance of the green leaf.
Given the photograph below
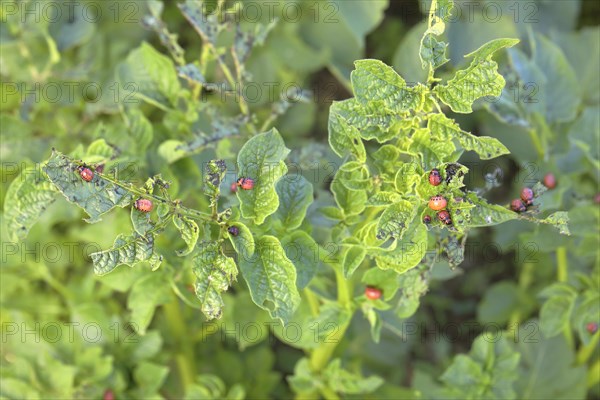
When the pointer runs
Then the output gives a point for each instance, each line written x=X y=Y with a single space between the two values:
x=454 y=250
x=432 y=150
x=188 y=229
x=385 y=280
x=128 y=250
x=480 y=79
x=27 y=197
x=303 y=380
x=447 y=129
x=547 y=368
x=583 y=134
x=375 y=82
x=303 y=252
x=485 y=214
x=383 y=199
x=386 y=160
x=146 y=294
x=271 y=278
x=96 y=197
x=150 y=377
x=560 y=220
x=214 y=274
x=369 y=120
x=353 y=257
x=355 y=176
x=295 y=196
x=141 y=221
x=261 y=159
x=395 y=219
x=408 y=175
x=555 y=315
x=560 y=87
x=489 y=371
x=332 y=212
x=140 y=129
x=243 y=243
x=344 y=138
x=153 y=75
x=414 y=284
x=406 y=253
x=343 y=381
x=352 y=202
x=433 y=52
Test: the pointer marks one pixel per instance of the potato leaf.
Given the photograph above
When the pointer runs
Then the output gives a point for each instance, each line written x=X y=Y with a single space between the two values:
x=480 y=79
x=129 y=250
x=271 y=278
x=261 y=159
x=96 y=197
x=27 y=197
x=214 y=274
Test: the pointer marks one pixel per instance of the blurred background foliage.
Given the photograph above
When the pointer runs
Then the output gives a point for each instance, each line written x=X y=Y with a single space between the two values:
x=526 y=279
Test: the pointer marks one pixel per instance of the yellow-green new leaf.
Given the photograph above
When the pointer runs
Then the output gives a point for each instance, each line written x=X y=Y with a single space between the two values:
x=407 y=252
x=261 y=159
x=446 y=129
x=353 y=257
x=480 y=79
x=344 y=138
x=271 y=278
x=375 y=82
x=395 y=219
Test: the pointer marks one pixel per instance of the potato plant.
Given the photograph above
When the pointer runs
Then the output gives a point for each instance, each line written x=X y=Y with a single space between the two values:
x=238 y=255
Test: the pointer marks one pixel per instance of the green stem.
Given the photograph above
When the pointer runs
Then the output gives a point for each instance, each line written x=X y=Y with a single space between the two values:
x=593 y=376
x=185 y=349
x=525 y=279
x=537 y=143
x=344 y=288
x=229 y=77
x=562 y=276
x=430 y=19
x=585 y=352
x=321 y=356
x=562 y=264
x=313 y=302
x=174 y=206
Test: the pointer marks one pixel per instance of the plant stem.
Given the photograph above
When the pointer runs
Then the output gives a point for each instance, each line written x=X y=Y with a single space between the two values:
x=185 y=350
x=525 y=279
x=593 y=376
x=585 y=352
x=562 y=264
x=313 y=302
x=562 y=276
x=174 y=206
x=430 y=19
x=321 y=356
x=536 y=142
